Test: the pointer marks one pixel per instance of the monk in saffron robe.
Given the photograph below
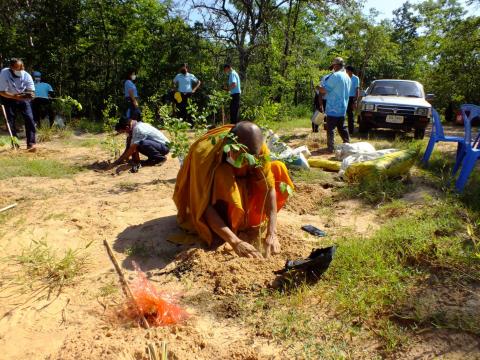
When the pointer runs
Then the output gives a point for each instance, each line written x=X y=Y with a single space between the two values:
x=218 y=194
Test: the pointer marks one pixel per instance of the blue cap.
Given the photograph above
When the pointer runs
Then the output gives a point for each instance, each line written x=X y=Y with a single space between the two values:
x=37 y=74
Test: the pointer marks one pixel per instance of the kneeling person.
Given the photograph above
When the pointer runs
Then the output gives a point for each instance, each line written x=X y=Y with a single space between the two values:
x=145 y=139
x=216 y=195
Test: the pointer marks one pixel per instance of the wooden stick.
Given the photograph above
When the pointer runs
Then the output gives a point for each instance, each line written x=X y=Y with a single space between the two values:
x=13 y=143
x=125 y=287
x=8 y=207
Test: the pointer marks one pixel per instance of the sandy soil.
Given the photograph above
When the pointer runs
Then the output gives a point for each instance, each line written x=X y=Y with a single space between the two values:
x=136 y=211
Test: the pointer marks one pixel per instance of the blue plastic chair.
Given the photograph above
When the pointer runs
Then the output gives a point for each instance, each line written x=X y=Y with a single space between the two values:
x=471 y=151
x=439 y=135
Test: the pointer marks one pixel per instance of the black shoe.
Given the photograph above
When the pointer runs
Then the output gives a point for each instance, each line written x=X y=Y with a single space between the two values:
x=153 y=162
x=316 y=264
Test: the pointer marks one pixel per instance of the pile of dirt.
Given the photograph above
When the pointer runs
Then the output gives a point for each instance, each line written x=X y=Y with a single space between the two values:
x=224 y=273
x=307 y=198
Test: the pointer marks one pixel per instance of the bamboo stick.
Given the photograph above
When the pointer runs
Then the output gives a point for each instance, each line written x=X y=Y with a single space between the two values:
x=8 y=207
x=125 y=287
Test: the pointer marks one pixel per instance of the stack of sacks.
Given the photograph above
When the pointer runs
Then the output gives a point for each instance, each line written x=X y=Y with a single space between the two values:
x=291 y=157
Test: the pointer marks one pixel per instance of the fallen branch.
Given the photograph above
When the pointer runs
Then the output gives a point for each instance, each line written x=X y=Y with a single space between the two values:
x=8 y=207
x=125 y=287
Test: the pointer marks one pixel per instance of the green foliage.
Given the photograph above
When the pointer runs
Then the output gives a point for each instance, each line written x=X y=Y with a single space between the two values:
x=24 y=166
x=178 y=133
x=66 y=106
x=42 y=263
x=110 y=115
x=376 y=191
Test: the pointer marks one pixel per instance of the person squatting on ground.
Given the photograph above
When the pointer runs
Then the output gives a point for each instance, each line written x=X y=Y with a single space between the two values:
x=235 y=89
x=215 y=197
x=183 y=83
x=145 y=140
x=336 y=87
x=42 y=103
x=131 y=96
x=16 y=92
x=353 y=97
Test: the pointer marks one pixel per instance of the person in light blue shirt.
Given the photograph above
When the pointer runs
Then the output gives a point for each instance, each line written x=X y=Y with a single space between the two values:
x=336 y=88
x=131 y=96
x=235 y=88
x=186 y=84
x=353 y=97
x=16 y=93
x=42 y=104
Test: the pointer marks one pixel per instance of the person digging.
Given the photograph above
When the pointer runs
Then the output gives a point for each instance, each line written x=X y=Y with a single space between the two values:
x=227 y=184
x=145 y=140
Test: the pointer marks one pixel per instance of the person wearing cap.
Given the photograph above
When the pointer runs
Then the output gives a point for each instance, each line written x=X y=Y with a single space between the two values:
x=42 y=101
x=16 y=93
x=184 y=84
x=336 y=88
x=145 y=139
x=131 y=96
x=235 y=89
x=353 y=97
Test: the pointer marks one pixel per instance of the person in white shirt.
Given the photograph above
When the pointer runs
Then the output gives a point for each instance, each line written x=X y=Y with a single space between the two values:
x=146 y=140
x=16 y=93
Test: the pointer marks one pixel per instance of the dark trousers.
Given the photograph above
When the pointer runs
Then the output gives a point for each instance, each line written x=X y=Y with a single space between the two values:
x=155 y=151
x=314 y=128
x=41 y=107
x=132 y=111
x=351 y=122
x=234 y=108
x=182 y=108
x=25 y=107
x=339 y=123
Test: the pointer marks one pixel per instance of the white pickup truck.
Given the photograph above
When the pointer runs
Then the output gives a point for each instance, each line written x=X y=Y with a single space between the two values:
x=395 y=104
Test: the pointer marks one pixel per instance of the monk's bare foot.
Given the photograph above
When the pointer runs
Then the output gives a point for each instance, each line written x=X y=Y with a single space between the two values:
x=244 y=249
x=272 y=245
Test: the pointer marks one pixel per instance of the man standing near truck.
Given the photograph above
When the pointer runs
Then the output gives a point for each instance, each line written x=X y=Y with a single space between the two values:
x=16 y=93
x=336 y=87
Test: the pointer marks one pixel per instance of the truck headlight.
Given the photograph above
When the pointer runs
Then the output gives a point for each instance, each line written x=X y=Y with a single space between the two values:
x=368 y=107
x=422 y=111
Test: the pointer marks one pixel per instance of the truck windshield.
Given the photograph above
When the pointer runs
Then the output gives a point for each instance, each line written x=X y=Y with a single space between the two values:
x=396 y=88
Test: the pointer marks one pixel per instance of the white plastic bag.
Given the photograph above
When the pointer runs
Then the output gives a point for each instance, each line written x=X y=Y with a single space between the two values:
x=346 y=150
x=59 y=121
x=317 y=117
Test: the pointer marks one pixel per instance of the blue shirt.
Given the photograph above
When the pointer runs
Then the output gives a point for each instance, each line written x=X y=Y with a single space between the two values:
x=234 y=78
x=42 y=89
x=355 y=84
x=15 y=85
x=184 y=82
x=338 y=89
x=129 y=85
x=143 y=131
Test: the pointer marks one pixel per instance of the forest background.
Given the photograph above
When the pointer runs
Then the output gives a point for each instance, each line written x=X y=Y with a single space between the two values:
x=280 y=48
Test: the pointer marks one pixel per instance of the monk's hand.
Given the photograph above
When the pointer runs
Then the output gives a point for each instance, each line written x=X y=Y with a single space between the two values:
x=244 y=249
x=272 y=245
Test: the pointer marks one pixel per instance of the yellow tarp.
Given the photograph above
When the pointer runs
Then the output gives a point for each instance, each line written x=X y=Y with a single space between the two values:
x=391 y=165
x=318 y=162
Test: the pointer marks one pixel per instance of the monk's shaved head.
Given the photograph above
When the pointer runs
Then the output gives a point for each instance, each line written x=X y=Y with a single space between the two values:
x=249 y=135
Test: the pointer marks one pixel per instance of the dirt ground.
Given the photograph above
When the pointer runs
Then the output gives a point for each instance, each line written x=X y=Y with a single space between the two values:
x=136 y=211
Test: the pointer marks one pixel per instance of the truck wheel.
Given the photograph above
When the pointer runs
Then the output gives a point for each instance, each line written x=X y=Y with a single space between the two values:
x=363 y=128
x=419 y=134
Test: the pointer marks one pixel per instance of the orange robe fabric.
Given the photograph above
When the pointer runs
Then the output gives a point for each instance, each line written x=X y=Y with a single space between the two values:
x=205 y=179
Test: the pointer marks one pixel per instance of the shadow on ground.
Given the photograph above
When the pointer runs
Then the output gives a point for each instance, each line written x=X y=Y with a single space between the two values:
x=147 y=244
